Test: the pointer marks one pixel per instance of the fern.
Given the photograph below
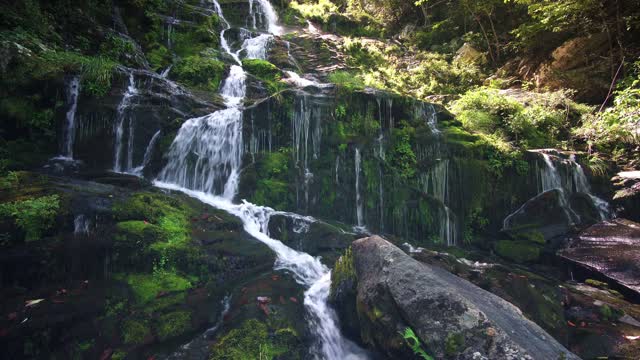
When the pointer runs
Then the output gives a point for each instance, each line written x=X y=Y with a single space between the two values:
x=413 y=342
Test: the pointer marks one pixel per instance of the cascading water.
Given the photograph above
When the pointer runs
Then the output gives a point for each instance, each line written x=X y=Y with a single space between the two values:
x=359 y=204
x=120 y=119
x=435 y=183
x=73 y=89
x=147 y=154
x=204 y=162
x=573 y=181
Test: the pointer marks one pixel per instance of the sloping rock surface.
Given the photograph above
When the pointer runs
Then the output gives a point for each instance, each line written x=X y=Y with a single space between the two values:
x=612 y=249
x=452 y=317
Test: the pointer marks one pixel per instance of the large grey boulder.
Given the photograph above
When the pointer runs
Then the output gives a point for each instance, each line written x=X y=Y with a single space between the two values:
x=452 y=318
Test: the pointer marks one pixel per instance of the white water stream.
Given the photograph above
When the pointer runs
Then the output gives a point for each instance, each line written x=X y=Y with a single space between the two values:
x=204 y=162
x=73 y=89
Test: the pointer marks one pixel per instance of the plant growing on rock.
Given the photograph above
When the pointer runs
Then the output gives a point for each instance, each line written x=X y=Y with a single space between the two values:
x=34 y=216
x=414 y=343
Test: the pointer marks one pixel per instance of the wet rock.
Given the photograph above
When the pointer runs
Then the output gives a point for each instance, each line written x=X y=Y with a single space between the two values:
x=610 y=249
x=627 y=196
x=546 y=213
x=450 y=316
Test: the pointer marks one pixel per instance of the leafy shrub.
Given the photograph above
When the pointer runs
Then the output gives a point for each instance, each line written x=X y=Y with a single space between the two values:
x=542 y=123
x=34 y=216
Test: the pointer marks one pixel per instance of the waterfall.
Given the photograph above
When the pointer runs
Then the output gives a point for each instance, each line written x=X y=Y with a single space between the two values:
x=204 y=161
x=582 y=185
x=359 y=210
x=575 y=180
x=166 y=71
x=148 y=152
x=266 y=14
x=256 y=48
x=120 y=118
x=435 y=183
x=73 y=89
x=81 y=225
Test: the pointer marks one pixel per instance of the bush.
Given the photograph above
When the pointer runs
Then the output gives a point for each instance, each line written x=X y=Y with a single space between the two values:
x=545 y=120
x=34 y=216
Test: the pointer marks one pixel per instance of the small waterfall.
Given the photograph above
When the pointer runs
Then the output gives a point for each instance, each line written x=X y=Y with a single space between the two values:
x=571 y=180
x=120 y=119
x=81 y=225
x=166 y=71
x=359 y=205
x=73 y=89
x=147 y=154
x=435 y=183
x=223 y=41
x=264 y=15
x=257 y=47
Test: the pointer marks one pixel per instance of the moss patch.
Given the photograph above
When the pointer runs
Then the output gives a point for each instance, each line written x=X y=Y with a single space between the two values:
x=518 y=251
x=173 y=324
x=147 y=286
x=253 y=340
x=135 y=332
x=268 y=73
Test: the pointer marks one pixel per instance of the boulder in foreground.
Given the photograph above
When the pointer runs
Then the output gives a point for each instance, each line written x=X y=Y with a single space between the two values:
x=397 y=296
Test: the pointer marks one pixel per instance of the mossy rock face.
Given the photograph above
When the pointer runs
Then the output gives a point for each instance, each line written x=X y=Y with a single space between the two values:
x=518 y=251
x=173 y=324
x=253 y=340
x=136 y=332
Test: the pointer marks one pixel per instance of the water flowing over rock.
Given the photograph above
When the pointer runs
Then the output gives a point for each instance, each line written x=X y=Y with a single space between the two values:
x=450 y=316
x=69 y=133
x=562 y=185
x=118 y=165
x=204 y=161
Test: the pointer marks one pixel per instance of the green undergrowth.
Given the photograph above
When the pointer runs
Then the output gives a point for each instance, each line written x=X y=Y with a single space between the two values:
x=33 y=215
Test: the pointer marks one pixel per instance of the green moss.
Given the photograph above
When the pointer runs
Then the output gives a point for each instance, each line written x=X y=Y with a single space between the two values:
x=154 y=217
x=134 y=332
x=147 y=286
x=252 y=340
x=173 y=324
x=454 y=343
x=343 y=270
x=34 y=216
x=200 y=72
x=268 y=73
x=597 y=284
x=346 y=80
x=531 y=236
x=518 y=251
x=138 y=232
